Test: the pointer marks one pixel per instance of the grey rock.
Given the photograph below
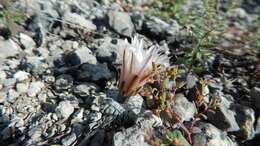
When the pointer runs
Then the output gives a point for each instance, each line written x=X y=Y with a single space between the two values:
x=121 y=22
x=35 y=134
x=226 y=99
x=77 y=116
x=69 y=140
x=6 y=133
x=63 y=82
x=34 y=64
x=116 y=7
x=43 y=52
x=245 y=118
x=2 y=97
x=48 y=8
x=199 y=139
x=213 y=135
x=77 y=128
x=141 y=3
x=35 y=88
x=2 y=75
x=158 y=28
x=79 y=20
x=255 y=95
x=191 y=81
x=111 y=107
x=238 y=13
x=51 y=131
x=107 y=49
x=43 y=97
x=13 y=63
x=12 y=95
x=61 y=127
x=192 y=5
x=98 y=138
x=9 y=82
x=120 y=139
x=223 y=118
x=95 y=105
x=251 y=6
x=64 y=109
x=137 y=18
x=49 y=79
x=90 y=72
x=69 y=97
x=26 y=105
x=134 y=103
x=185 y=108
x=84 y=90
x=112 y=111
x=17 y=120
x=81 y=55
x=113 y=93
x=95 y=117
x=68 y=45
x=8 y=48
x=21 y=76
x=135 y=135
x=27 y=42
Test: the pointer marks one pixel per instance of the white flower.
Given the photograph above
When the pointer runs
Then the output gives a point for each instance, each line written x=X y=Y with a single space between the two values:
x=137 y=65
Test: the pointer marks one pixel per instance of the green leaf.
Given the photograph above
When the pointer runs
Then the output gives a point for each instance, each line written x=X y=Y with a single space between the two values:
x=165 y=143
x=177 y=138
x=199 y=69
x=166 y=83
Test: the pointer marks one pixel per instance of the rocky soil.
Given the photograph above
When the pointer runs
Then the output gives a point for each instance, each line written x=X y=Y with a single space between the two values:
x=59 y=69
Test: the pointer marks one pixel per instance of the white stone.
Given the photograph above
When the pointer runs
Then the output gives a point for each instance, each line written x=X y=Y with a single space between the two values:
x=21 y=76
x=35 y=88
x=8 y=48
x=64 y=109
x=22 y=87
x=27 y=42
x=79 y=20
x=2 y=74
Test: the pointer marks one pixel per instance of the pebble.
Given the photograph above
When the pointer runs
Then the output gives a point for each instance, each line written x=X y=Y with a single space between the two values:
x=223 y=118
x=134 y=103
x=2 y=75
x=8 y=48
x=63 y=82
x=121 y=22
x=245 y=117
x=107 y=49
x=22 y=87
x=9 y=82
x=185 y=108
x=21 y=76
x=2 y=97
x=213 y=136
x=69 y=140
x=81 y=55
x=79 y=20
x=64 y=109
x=91 y=72
x=84 y=90
x=78 y=116
x=27 y=42
x=12 y=95
x=35 y=88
